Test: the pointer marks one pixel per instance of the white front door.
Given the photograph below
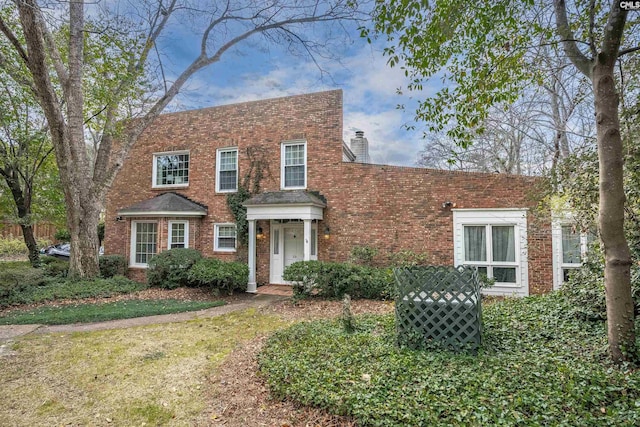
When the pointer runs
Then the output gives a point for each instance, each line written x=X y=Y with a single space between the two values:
x=293 y=245
x=287 y=247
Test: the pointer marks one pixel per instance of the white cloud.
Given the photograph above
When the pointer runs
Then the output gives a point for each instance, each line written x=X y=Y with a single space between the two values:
x=368 y=84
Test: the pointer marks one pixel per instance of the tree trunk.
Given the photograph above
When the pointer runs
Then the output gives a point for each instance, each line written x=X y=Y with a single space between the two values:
x=620 y=314
x=83 y=229
x=32 y=245
x=22 y=199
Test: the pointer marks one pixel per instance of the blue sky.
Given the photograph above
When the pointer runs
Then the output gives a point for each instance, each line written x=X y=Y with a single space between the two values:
x=252 y=72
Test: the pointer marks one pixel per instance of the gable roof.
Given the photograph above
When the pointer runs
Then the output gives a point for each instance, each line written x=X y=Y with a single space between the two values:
x=296 y=197
x=166 y=204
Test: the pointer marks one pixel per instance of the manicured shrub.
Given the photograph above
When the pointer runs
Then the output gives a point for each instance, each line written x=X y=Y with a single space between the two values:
x=170 y=269
x=112 y=265
x=219 y=275
x=333 y=280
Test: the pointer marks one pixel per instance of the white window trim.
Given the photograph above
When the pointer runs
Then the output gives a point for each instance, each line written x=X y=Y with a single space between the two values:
x=216 y=227
x=224 y=150
x=282 y=164
x=496 y=217
x=132 y=251
x=154 y=172
x=559 y=221
x=186 y=233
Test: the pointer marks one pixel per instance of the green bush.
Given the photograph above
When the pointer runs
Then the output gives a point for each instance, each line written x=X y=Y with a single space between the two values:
x=54 y=267
x=87 y=288
x=12 y=246
x=16 y=246
x=22 y=284
x=62 y=235
x=112 y=265
x=220 y=275
x=333 y=280
x=363 y=255
x=170 y=269
x=407 y=258
x=17 y=280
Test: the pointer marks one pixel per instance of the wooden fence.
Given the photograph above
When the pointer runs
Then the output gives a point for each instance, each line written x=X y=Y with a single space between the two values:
x=42 y=230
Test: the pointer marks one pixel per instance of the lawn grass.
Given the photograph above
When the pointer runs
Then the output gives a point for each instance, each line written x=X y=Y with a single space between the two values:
x=538 y=366
x=150 y=375
x=87 y=313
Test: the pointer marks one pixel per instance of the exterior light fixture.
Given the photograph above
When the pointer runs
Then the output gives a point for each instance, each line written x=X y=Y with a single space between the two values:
x=327 y=232
x=260 y=233
x=448 y=204
x=118 y=218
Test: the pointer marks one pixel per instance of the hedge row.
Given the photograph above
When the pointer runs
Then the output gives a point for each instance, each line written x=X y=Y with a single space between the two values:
x=186 y=267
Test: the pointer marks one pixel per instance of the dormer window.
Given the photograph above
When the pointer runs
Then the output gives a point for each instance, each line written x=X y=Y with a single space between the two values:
x=294 y=165
x=171 y=169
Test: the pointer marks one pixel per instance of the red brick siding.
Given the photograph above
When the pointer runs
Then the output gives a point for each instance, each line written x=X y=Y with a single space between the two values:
x=390 y=208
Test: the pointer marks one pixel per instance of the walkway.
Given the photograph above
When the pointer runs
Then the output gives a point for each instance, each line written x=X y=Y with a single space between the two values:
x=8 y=332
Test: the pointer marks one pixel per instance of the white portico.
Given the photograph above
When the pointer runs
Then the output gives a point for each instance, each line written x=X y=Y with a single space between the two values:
x=293 y=217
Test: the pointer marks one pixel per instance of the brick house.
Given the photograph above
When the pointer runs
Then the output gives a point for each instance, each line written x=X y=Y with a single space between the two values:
x=318 y=198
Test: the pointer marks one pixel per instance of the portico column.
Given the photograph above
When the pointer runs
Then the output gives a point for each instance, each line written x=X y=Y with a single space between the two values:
x=307 y=239
x=251 y=286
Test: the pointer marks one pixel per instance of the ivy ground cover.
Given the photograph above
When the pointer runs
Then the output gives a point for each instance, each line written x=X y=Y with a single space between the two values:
x=539 y=365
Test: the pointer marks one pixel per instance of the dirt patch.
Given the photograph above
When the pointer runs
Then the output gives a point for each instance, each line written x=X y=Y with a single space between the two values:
x=239 y=395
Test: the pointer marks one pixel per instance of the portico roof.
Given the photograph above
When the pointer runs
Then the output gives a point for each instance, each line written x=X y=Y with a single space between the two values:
x=297 y=197
x=297 y=204
x=166 y=204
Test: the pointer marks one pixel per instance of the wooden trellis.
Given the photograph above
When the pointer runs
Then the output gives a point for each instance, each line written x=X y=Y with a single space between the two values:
x=438 y=306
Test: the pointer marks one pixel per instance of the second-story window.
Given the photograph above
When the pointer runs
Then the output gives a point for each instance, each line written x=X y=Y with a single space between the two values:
x=227 y=170
x=171 y=169
x=294 y=165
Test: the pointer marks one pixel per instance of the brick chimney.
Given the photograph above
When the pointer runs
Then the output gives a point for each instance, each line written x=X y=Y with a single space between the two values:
x=360 y=147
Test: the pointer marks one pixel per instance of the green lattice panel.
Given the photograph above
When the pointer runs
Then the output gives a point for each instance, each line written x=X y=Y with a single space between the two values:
x=438 y=305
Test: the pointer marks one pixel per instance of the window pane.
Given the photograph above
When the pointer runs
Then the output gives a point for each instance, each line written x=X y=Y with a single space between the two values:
x=504 y=274
x=227 y=180
x=276 y=241
x=570 y=245
x=228 y=170
x=178 y=231
x=294 y=165
x=294 y=176
x=146 y=233
x=226 y=237
x=172 y=169
x=475 y=243
x=294 y=155
x=228 y=160
x=504 y=243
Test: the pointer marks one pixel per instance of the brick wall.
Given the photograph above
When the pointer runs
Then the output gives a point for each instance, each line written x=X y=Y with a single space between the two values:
x=390 y=208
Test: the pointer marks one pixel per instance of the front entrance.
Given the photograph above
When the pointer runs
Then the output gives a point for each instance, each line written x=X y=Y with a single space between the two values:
x=293 y=245
x=287 y=247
